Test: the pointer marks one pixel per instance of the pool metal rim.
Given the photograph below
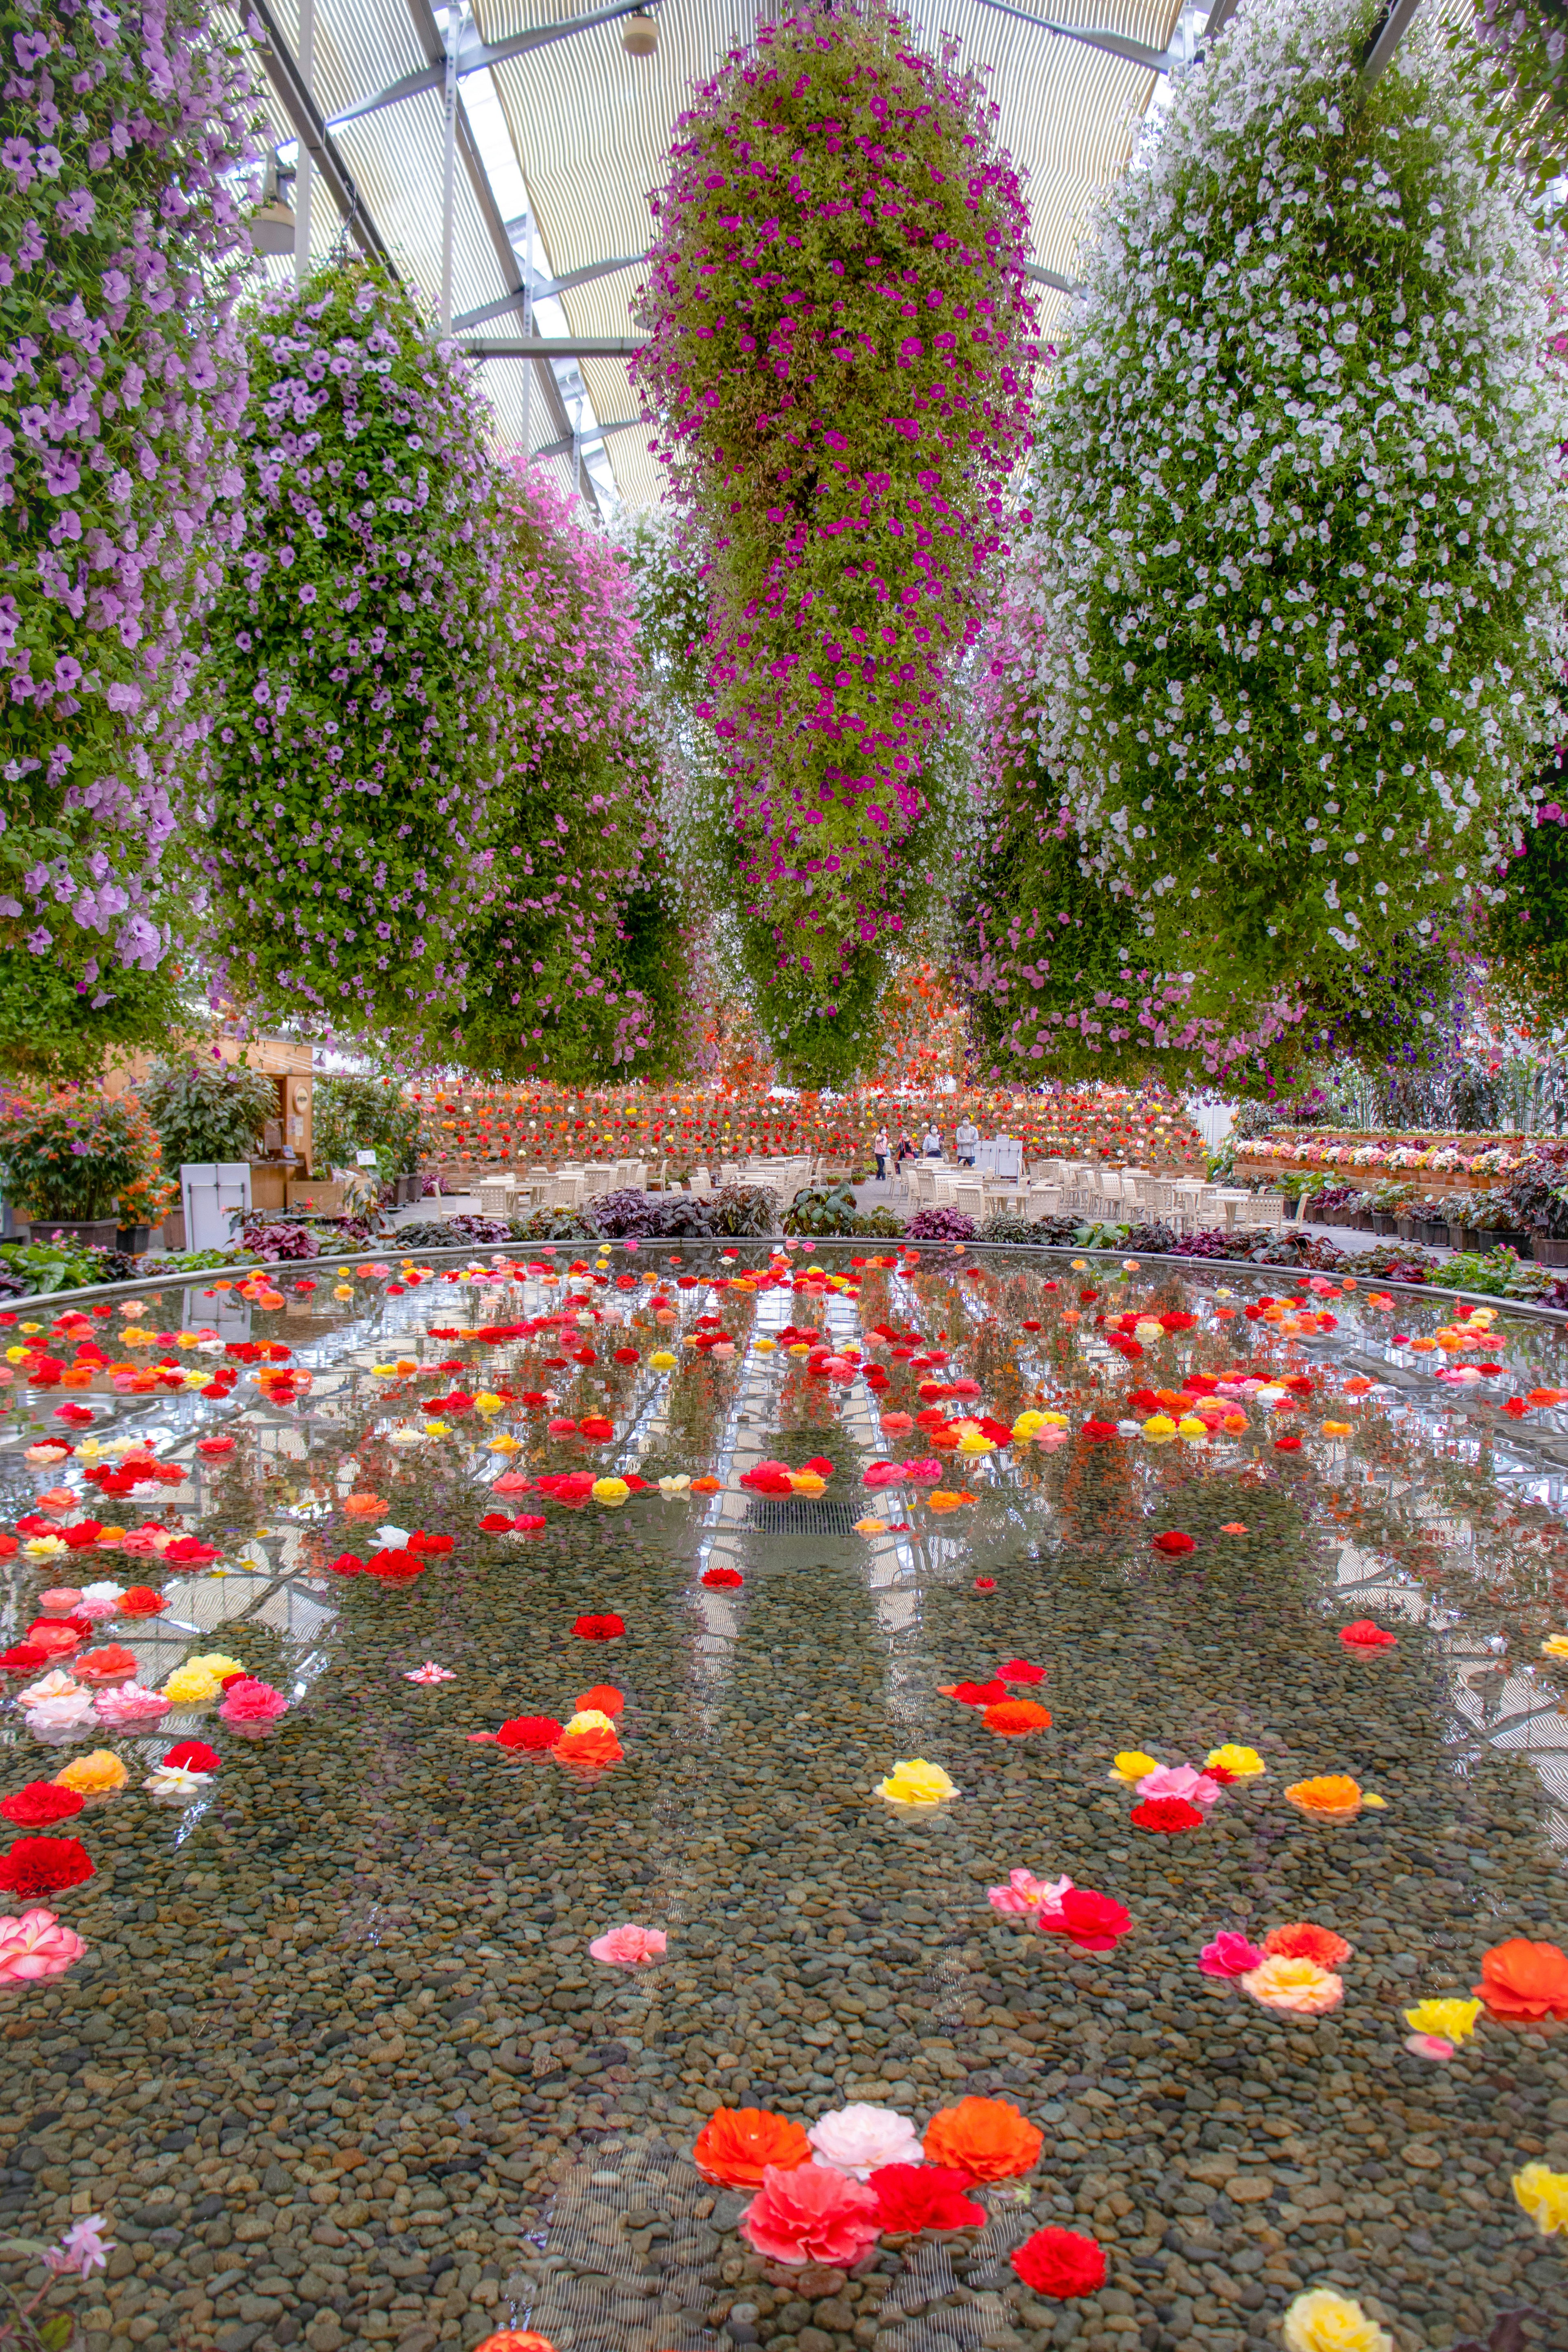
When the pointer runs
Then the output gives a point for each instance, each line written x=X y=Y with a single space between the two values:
x=471 y=1253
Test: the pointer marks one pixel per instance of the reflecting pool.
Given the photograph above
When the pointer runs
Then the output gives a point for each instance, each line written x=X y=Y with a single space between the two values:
x=459 y=1613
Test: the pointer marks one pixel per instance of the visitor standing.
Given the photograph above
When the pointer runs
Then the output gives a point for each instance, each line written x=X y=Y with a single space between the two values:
x=932 y=1142
x=881 y=1147
x=967 y=1141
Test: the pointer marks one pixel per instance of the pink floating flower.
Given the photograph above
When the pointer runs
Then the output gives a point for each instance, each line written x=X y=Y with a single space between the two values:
x=813 y=2214
x=1430 y=2045
x=860 y=2138
x=882 y=1474
x=629 y=1946
x=927 y=1472
x=129 y=1706
x=1298 y=1988
x=430 y=1672
x=1194 y=1787
x=252 y=1708
x=36 y=1945
x=1024 y=1893
x=1230 y=1955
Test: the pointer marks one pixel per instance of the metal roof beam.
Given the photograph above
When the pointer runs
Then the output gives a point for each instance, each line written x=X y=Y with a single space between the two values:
x=1386 y=39
x=544 y=286
x=315 y=135
x=473 y=56
x=1052 y=277
x=587 y=440
x=1115 y=44
x=433 y=45
x=555 y=347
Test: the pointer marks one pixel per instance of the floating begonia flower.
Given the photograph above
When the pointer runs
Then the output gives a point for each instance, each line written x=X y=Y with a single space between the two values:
x=738 y=2144
x=607 y=1628
x=251 y=1707
x=92 y=1777
x=812 y=2213
x=1302 y=1939
x=514 y=2339
x=1523 y=1982
x=1173 y=1544
x=985 y=2139
x=40 y=1803
x=985 y=1584
x=429 y=1672
x=1543 y=2195
x=1363 y=1634
x=721 y=1579
x=1230 y=1955
x=1300 y=1988
x=1133 y=1765
x=672 y=1487
x=914 y=2197
x=1431 y=2046
x=592 y=1751
x=175 y=1784
x=1024 y=1894
x=193 y=1756
x=1241 y=1763
x=1180 y=1780
x=44 y=1866
x=57 y=1721
x=1322 y=2321
x=1016 y=1719
x=974 y=1693
x=1019 y=1670
x=1167 y=1816
x=129 y=1707
x=603 y=1699
x=1332 y=1796
x=1095 y=1922
x=860 y=2138
x=36 y=1945
x=55 y=1684
x=629 y=1946
x=916 y=1786
x=99 y=1668
x=1061 y=2263
x=1448 y=2021
x=534 y=1732
x=140 y=1601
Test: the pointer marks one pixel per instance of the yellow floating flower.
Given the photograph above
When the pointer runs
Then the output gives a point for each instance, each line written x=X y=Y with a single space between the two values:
x=915 y=1784
x=974 y=1441
x=1245 y=1763
x=1159 y=1427
x=1322 y=2321
x=1544 y=2196
x=806 y=1482
x=591 y=1718
x=487 y=1402
x=1191 y=1426
x=1148 y=1330
x=871 y=1526
x=437 y=1429
x=45 y=1546
x=344 y=1290
x=765 y=1346
x=798 y=1348
x=1452 y=2021
x=101 y=1774
x=612 y=1492
x=505 y=1445
x=1554 y=1646
x=1336 y=1429
x=1056 y=1421
x=384 y=1371
x=18 y=1355
x=192 y=1684
x=1133 y=1766
x=1027 y=1424
x=218 y=1663
x=662 y=1361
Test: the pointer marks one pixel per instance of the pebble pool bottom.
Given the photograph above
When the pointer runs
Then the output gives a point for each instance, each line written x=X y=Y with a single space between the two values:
x=337 y=2065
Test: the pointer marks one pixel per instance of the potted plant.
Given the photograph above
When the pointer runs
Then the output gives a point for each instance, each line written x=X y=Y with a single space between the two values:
x=82 y=1165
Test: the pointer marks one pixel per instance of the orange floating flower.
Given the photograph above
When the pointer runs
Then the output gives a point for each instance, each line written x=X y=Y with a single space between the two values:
x=736 y=2145
x=1521 y=1981
x=366 y=1507
x=587 y=1751
x=985 y=2139
x=1015 y=1718
x=604 y=1697
x=1332 y=1796
x=1304 y=1940
x=705 y=1486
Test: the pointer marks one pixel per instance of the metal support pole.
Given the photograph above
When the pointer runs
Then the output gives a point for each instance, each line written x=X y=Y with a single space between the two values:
x=305 y=170
x=449 y=167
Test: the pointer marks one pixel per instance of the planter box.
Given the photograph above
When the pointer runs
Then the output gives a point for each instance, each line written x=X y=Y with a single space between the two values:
x=1407 y=1228
x=1464 y=1238
x=174 y=1230
x=1361 y=1222
x=1431 y=1234
x=1546 y=1251
x=93 y=1232
x=326 y=1199
x=1489 y=1237
x=134 y=1239
x=1384 y=1224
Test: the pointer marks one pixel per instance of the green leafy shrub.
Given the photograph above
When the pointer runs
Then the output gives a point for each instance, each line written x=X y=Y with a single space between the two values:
x=822 y=1209
x=350 y=1114
x=207 y=1109
x=76 y=1154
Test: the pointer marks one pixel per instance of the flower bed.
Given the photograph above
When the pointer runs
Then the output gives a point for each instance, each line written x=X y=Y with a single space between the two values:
x=1451 y=1162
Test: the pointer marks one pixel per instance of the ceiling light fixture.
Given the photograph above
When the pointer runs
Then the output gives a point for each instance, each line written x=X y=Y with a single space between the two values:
x=639 y=35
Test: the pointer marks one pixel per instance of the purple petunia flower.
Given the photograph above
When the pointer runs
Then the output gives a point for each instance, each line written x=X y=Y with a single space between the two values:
x=76 y=212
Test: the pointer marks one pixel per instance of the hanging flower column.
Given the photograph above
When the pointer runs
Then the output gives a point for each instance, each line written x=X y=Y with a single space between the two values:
x=354 y=656
x=840 y=364
x=122 y=242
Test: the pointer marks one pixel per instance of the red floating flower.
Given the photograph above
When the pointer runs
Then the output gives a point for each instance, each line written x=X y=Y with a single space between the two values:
x=597 y=1429
x=723 y=1576
x=40 y=1804
x=140 y=1601
x=1173 y=1544
x=1095 y=1922
x=1019 y=1670
x=347 y=1563
x=538 y=1732
x=23 y=1658
x=1364 y=1635
x=974 y=1693
x=394 y=1567
x=627 y=1356
x=1303 y=1939
x=44 y=1866
x=598 y=1629
x=1287 y=1446
x=193 y=1756
x=1099 y=1431
x=1169 y=1815
x=1016 y=1719
x=925 y=2197
x=1061 y=2263
x=985 y=1584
